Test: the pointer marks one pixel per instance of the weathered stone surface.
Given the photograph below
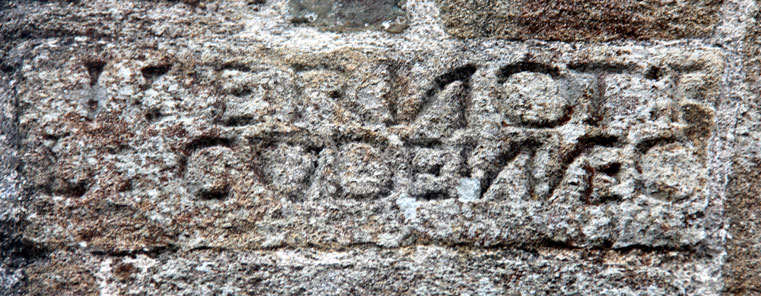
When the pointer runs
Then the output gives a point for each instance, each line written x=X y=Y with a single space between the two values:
x=217 y=147
x=616 y=155
x=580 y=20
x=744 y=205
x=421 y=270
x=349 y=15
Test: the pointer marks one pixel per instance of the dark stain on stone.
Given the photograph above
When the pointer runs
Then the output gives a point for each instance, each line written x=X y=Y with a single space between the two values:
x=237 y=121
x=458 y=74
x=216 y=193
x=94 y=69
x=610 y=169
x=645 y=145
x=151 y=73
x=349 y=15
x=602 y=68
x=206 y=142
x=654 y=73
x=590 y=183
x=124 y=271
x=242 y=67
x=700 y=120
x=508 y=70
x=70 y=189
x=153 y=115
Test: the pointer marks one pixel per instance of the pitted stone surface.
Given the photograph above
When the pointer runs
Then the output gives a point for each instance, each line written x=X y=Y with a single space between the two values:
x=349 y=15
x=234 y=144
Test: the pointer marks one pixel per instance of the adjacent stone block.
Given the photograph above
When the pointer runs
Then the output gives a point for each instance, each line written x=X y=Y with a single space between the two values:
x=571 y=20
x=743 y=205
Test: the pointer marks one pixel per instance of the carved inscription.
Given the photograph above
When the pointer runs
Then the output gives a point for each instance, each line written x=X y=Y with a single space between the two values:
x=580 y=133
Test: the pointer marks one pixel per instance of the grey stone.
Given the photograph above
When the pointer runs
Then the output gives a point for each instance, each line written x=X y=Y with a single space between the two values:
x=742 y=206
x=349 y=15
x=217 y=147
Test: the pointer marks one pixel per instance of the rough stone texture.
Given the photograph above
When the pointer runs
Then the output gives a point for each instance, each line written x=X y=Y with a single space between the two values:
x=744 y=208
x=419 y=270
x=349 y=15
x=228 y=148
x=580 y=20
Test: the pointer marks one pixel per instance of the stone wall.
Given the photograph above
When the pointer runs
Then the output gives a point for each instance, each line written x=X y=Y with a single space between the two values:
x=311 y=147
